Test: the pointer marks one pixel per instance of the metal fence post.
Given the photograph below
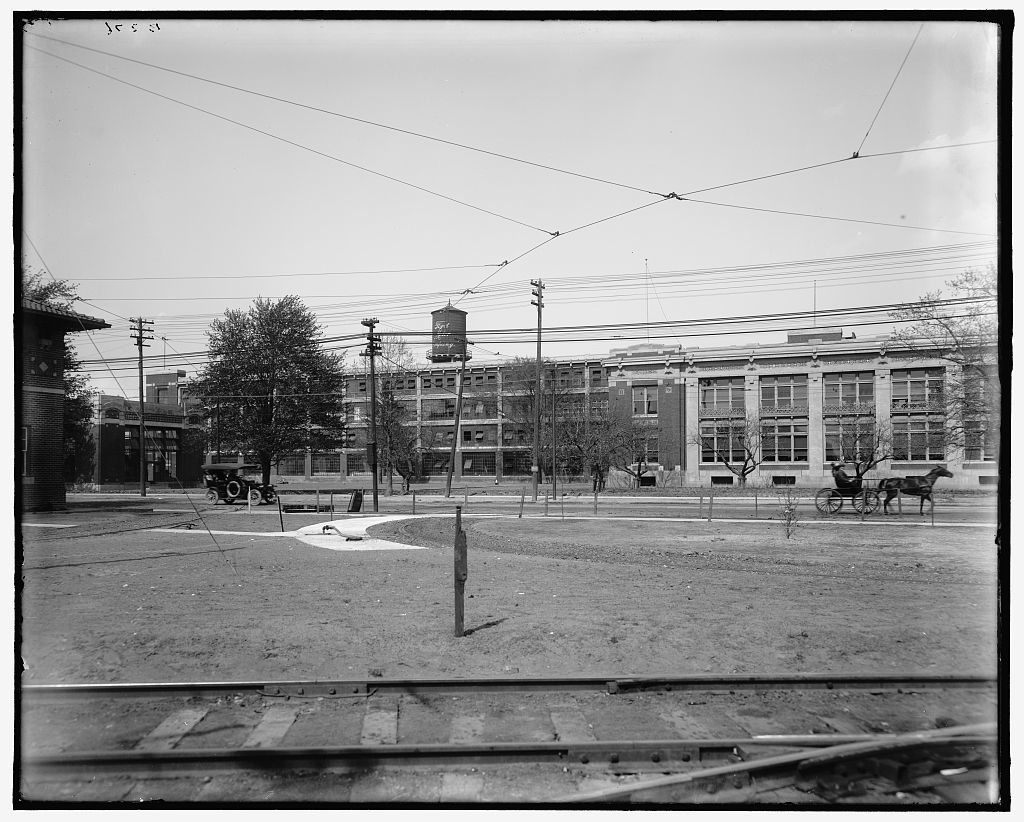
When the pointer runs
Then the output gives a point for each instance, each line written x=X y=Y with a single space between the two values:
x=280 y=513
x=414 y=502
x=545 y=503
x=755 y=505
x=700 y=508
x=899 y=501
x=522 y=499
x=711 y=505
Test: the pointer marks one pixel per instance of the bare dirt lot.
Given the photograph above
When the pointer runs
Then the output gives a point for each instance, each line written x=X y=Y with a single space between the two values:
x=545 y=597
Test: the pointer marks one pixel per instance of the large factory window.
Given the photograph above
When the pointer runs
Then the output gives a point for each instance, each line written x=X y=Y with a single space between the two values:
x=480 y=464
x=516 y=463
x=328 y=463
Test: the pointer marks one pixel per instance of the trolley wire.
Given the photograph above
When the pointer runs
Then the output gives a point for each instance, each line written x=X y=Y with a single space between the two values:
x=293 y=143
x=350 y=117
x=887 y=93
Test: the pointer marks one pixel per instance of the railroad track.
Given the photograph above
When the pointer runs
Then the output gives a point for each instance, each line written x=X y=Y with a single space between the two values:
x=913 y=739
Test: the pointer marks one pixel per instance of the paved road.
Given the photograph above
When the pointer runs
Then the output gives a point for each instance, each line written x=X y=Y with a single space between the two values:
x=959 y=511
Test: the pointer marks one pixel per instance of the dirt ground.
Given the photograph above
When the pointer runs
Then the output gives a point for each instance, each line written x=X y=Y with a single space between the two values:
x=545 y=597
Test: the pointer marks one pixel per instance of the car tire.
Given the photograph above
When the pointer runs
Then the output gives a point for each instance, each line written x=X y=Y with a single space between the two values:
x=233 y=489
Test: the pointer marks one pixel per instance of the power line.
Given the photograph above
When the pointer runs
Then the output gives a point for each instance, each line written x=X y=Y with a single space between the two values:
x=290 y=275
x=293 y=143
x=893 y=83
x=839 y=219
x=350 y=117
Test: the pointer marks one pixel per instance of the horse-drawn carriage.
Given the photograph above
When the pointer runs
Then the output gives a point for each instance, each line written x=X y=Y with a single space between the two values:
x=830 y=500
x=228 y=482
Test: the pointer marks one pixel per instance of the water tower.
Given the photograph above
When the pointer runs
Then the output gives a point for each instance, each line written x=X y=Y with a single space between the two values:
x=448 y=335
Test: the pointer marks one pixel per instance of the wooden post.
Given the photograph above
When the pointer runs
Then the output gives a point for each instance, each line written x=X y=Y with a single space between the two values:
x=465 y=497
x=755 y=505
x=522 y=499
x=280 y=513
x=332 y=500
x=711 y=504
x=933 y=511
x=899 y=501
x=595 y=503
x=414 y=502
x=545 y=503
x=563 y=505
x=461 y=573
x=700 y=508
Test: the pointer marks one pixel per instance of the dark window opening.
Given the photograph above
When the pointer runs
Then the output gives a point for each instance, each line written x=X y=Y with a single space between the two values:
x=783 y=480
x=721 y=480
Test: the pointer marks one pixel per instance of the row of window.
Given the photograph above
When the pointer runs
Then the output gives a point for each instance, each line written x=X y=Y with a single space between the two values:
x=911 y=388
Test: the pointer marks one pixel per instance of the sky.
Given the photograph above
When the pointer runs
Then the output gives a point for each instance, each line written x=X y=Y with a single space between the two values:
x=261 y=174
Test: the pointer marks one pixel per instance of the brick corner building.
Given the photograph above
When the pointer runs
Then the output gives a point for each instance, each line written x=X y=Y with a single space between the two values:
x=39 y=449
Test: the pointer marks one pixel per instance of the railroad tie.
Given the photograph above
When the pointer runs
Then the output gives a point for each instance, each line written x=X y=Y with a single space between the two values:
x=169 y=732
x=272 y=728
x=461 y=787
x=380 y=723
x=467 y=728
x=571 y=724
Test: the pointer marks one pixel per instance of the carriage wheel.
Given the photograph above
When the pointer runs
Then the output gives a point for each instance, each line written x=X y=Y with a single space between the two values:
x=866 y=502
x=212 y=495
x=828 y=500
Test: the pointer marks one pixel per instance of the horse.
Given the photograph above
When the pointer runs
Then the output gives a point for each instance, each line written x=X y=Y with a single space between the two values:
x=916 y=486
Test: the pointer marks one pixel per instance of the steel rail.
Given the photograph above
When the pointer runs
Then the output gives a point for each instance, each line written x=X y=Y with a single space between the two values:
x=802 y=761
x=361 y=688
x=661 y=755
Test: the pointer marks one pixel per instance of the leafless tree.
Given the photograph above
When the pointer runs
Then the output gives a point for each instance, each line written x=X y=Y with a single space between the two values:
x=966 y=335
x=733 y=442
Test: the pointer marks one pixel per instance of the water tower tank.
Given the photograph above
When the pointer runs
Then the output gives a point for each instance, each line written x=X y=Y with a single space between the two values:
x=448 y=341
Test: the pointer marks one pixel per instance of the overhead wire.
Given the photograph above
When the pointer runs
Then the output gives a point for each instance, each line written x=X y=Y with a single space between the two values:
x=293 y=143
x=887 y=93
x=349 y=117
x=840 y=219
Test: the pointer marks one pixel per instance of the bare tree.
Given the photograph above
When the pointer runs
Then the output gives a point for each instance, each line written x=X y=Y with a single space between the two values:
x=966 y=335
x=733 y=442
x=595 y=441
x=860 y=442
x=398 y=451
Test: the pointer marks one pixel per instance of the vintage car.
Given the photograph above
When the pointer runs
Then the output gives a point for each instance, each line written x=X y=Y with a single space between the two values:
x=230 y=482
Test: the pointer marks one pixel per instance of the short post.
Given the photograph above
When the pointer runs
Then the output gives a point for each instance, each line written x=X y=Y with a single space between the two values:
x=414 y=502
x=522 y=499
x=711 y=504
x=863 y=507
x=461 y=573
x=248 y=500
x=933 y=510
x=465 y=497
x=280 y=513
x=332 y=501
x=563 y=505
x=700 y=507
x=595 y=503
x=318 y=499
x=899 y=501
x=545 y=503
x=755 y=505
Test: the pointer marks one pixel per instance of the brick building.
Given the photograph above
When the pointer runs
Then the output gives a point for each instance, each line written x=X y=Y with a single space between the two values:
x=39 y=457
x=802 y=395
x=171 y=459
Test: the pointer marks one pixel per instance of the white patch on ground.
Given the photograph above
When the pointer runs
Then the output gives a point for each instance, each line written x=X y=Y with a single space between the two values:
x=331 y=535
x=337 y=530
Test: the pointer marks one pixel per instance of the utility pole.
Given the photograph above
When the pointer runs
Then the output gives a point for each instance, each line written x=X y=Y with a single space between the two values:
x=458 y=423
x=372 y=349
x=554 y=464
x=538 y=292
x=142 y=331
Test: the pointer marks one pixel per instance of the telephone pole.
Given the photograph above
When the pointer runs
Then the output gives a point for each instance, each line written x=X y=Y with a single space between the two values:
x=142 y=331
x=372 y=349
x=538 y=292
